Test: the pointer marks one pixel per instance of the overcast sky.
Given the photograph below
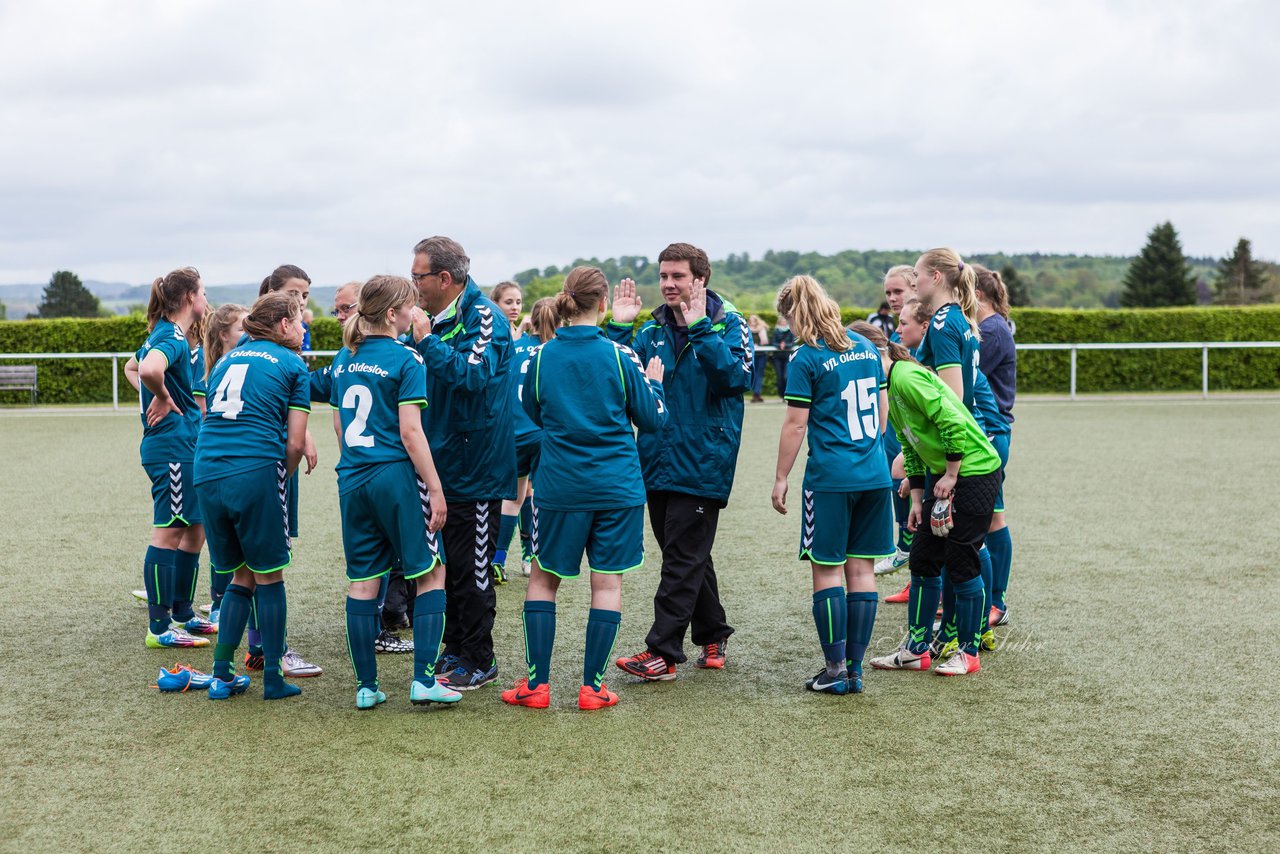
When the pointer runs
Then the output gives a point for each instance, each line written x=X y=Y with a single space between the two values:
x=137 y=137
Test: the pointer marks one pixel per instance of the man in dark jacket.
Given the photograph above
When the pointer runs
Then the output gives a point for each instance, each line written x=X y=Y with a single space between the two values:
x=466 y=344
x=688 y=467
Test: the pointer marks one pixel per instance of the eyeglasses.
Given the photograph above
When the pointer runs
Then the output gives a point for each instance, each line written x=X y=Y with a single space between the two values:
x=418 y=277
x=343 y=309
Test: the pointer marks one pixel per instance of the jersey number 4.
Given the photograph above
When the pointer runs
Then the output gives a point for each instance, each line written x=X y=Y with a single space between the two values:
x=359 y=398
x=227 y=401
x=862 y=399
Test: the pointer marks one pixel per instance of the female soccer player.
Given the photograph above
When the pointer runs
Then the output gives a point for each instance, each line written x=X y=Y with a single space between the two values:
x=585 y=392
x=915 y=317
x=392 y=503
x=1000 y=365
x=170 y=422
x=543 y=321
x=222 y=329
x=290 y=279
x=939 y=436
x=834 y=394
x=251 y=442
x=508 y=297
x=950 y=347
x=899 y=286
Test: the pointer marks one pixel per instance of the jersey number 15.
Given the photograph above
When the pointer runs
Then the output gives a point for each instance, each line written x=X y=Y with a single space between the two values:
x=863 y=402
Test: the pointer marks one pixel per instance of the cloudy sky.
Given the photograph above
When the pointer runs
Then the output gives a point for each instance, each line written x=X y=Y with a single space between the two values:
x=136 y=137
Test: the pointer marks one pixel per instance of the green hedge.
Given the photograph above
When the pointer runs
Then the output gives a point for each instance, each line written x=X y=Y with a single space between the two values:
x=89 y=380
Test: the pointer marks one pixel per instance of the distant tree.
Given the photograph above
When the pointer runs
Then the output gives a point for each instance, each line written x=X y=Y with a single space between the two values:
x=1017 y=288
x=66 y=296
x=1160 y=275
x=4 y=312
x=1240 y=279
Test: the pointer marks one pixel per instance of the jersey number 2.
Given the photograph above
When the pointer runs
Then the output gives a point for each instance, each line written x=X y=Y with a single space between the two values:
x=359 y=398
x=862 y=400
x=227 y=401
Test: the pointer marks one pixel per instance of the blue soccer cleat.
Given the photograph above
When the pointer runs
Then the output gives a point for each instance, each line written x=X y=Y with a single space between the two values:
x=824 y=683
x=200 y=626
x=462 y=679
x=180 y=677
x=220 y=690
x=367 y=698
x=421 y=695
x=174 y=638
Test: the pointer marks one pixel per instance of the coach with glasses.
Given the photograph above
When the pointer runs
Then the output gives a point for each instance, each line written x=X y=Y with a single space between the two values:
x=466 y=343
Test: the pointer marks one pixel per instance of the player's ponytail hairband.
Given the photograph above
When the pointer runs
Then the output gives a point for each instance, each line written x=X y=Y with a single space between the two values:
x=961 y=267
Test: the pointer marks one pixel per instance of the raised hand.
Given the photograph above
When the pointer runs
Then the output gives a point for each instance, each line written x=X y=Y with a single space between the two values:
x=626 y=302
x=696 y=308
x=654 y=370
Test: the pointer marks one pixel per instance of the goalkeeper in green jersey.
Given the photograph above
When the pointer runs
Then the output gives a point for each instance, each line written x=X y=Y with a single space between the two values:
x=947 y=457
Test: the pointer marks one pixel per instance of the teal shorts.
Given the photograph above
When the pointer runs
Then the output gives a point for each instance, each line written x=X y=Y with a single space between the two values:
x=385 y=519
x=1000 y=442
x=839 y=525
x=527 y=456
x=173 y=496
x=613 y=540
x=247 y=519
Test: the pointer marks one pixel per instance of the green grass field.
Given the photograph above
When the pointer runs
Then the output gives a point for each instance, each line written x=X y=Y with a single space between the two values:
x=1134 y=704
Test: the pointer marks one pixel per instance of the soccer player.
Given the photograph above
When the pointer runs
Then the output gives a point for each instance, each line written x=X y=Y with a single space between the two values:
x=392 y=504
x=466 y=344
x=585 y=392
x=1000 y=365
x=706 y=351
x=222 y=329
x=509 y=299
x=543 y=321
x=940 y=437
x=834 y=394
x=950 y=345
x=899 y=286
x=170 y=422
x=250 y=445
x=290 y=279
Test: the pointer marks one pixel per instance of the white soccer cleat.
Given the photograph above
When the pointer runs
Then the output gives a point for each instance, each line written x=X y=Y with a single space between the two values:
x=897 y=561
x=902 y=659
x=960 y=664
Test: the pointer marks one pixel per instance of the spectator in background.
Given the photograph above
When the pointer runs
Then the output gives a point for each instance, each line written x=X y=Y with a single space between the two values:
x=307 y=317
x=785 y=340
x=883 y=319
x=759 y=337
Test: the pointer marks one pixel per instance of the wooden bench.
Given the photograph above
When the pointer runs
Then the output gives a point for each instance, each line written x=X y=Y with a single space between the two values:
x=19 y=378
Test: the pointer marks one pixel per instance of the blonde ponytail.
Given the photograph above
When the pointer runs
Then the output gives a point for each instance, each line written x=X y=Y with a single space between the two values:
x=377 y=296
x=814 y=316
x=961 y=279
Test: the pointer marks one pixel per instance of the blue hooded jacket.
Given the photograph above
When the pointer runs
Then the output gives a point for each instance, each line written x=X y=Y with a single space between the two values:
x=696 y=451
x=469 y=419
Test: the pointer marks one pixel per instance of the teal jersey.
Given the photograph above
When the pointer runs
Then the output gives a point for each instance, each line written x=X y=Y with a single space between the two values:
x=173 y=440
x=254 y=387
x=585 y=392
x=987 y=409
x=522 y=350
x=369 y=387
x=949 y=342
x=842 y=394
x=198 y=387
x=322 y=384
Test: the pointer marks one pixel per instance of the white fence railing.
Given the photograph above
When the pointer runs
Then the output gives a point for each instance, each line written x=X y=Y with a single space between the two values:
x=1203 y=346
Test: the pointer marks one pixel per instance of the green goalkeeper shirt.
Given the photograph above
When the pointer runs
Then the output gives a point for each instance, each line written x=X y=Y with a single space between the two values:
x=934 y=426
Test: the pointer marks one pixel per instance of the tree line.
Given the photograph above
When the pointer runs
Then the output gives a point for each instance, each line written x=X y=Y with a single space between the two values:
x=1161 y=275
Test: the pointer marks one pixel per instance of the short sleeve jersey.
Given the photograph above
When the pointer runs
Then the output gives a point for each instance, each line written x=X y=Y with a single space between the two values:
x=842 y=392
x=321 y=384
x=369 y=387
x=173 y=440
x=522 y=351
x=988 y=411
x=950 y=343
x=253 y=387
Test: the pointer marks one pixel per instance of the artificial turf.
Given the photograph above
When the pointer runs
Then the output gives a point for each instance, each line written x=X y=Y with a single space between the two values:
x=1134 y=703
